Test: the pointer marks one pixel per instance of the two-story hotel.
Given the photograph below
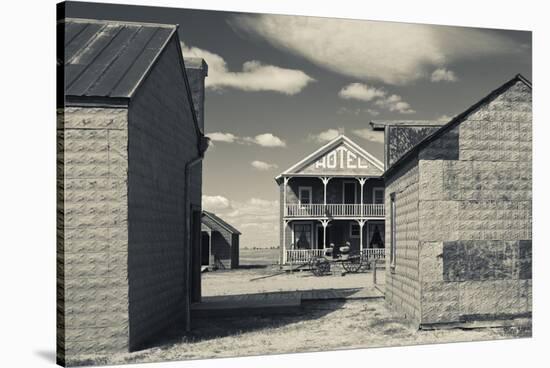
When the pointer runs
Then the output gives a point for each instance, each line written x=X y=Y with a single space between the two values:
x=333 y=196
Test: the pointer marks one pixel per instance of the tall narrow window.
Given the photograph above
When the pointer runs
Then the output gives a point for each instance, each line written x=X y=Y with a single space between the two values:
x=393 y=232
x=304 y=195
x=378 y=195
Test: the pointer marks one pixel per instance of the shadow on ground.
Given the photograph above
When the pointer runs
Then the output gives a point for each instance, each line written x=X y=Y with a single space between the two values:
x=212 y=327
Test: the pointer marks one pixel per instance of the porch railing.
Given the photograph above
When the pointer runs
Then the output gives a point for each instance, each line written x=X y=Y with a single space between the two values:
x=334 y=210
x=300 y=256
x=374 y=253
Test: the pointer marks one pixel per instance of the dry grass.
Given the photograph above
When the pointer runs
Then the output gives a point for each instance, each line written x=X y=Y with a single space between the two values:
x=320 y=326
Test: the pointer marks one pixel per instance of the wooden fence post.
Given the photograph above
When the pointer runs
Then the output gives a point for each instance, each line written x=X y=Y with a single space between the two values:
x=374 y=271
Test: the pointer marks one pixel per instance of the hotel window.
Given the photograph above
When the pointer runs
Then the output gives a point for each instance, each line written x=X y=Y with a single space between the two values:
x=393 y=233
x=304 y=195
x=378 y=195
x=354 y=230
x=302 y=236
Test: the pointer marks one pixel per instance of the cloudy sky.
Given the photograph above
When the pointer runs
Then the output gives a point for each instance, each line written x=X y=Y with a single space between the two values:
x=280 y=86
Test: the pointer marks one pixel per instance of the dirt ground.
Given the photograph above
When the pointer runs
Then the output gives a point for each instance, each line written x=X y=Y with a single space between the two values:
x=261 y=279
x=318 y=326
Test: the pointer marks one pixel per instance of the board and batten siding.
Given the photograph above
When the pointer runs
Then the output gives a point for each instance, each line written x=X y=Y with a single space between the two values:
x=474 y=206
x=92 y=313
x=162 y=139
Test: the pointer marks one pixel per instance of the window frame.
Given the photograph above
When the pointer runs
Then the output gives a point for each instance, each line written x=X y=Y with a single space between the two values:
x=351 y=224
x=377 y=189
x=309 y=190
x=344 y=182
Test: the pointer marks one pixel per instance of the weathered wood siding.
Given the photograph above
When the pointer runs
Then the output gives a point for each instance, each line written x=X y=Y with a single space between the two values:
x=92 y=286
x=162 y=139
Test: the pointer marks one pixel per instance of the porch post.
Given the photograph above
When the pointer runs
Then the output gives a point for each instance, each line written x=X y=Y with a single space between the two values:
x=325 y=180
x=361 y=183
x=325 y=224
x=285 y=222
x=361 y=223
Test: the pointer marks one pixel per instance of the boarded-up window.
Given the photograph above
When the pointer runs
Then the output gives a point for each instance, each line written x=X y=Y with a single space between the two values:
x=393 y=232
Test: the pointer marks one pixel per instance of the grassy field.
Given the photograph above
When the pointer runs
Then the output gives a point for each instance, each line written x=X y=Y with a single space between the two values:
x=320 y=326
x=258 y=257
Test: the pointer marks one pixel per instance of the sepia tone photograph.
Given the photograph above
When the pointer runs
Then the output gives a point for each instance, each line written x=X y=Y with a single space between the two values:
x=237 y=184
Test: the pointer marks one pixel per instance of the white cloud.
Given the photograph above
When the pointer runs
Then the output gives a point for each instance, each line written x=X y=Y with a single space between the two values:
x=394 y=53
x=357 y=111
x=360 y=91
x=370 y=135
x=254 y=76
x=256 y=218
x=264 y=140
x=443 y=75
x=363 y=92
x=326 y=136
x=263 y=166
x=396 y=104
x=215 y=203
x=222 y=137
x=444 y=118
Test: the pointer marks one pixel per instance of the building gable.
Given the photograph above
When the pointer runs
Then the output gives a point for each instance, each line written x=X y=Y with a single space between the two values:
x=340 y=157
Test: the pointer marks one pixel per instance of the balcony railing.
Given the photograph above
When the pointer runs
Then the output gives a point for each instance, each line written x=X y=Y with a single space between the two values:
x=334 y=210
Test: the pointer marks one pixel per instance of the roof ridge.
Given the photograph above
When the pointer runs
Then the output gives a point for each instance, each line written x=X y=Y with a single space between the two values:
x=122 y=22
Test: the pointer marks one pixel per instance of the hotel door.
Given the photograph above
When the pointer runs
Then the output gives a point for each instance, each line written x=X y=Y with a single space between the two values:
x=349 y=191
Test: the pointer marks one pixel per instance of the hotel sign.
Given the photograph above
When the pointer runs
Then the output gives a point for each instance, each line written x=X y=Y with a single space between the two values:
x=341 y=159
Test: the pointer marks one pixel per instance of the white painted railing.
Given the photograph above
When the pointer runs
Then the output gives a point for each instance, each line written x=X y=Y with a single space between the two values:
x=374 y=253
x=335 y=210
x=302 y=255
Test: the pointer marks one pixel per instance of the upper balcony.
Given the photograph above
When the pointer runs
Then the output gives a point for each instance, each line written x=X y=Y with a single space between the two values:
x=334 y=210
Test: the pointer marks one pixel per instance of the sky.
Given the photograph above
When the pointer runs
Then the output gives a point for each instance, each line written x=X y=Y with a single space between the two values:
x=281 y=86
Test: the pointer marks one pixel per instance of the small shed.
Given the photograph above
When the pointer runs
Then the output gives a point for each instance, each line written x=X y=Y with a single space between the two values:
x=219 y=243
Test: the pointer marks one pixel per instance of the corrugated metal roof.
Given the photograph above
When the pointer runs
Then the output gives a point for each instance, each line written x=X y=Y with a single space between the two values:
x=220 y=222
x=110 y=58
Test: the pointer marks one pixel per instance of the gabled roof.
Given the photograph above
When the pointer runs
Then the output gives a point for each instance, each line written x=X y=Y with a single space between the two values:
x=327 y=148
x=457 y=120
x=110 y=58
x=220 y=222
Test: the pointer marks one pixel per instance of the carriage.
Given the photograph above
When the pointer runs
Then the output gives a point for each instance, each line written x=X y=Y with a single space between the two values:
x=350 y=262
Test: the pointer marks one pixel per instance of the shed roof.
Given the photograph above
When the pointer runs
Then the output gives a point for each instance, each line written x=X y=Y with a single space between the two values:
x=220 y=222
x=455 y=121
x=110 y=58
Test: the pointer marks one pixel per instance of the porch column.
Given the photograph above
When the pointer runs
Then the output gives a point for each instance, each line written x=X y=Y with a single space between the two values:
x=361 y=223
x=285 y=182
x=325 y=180
x=210 y=257
x=362 y=183
x=285 y=222
x=325 y=224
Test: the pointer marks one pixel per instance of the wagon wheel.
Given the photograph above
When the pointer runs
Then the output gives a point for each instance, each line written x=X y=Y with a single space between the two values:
x=319 y=266
x=353 y=264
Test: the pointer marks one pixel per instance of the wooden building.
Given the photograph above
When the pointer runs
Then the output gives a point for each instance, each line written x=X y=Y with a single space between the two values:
x=334 y=195
x=130 y=145
x=459 y=216
x=220 y=243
